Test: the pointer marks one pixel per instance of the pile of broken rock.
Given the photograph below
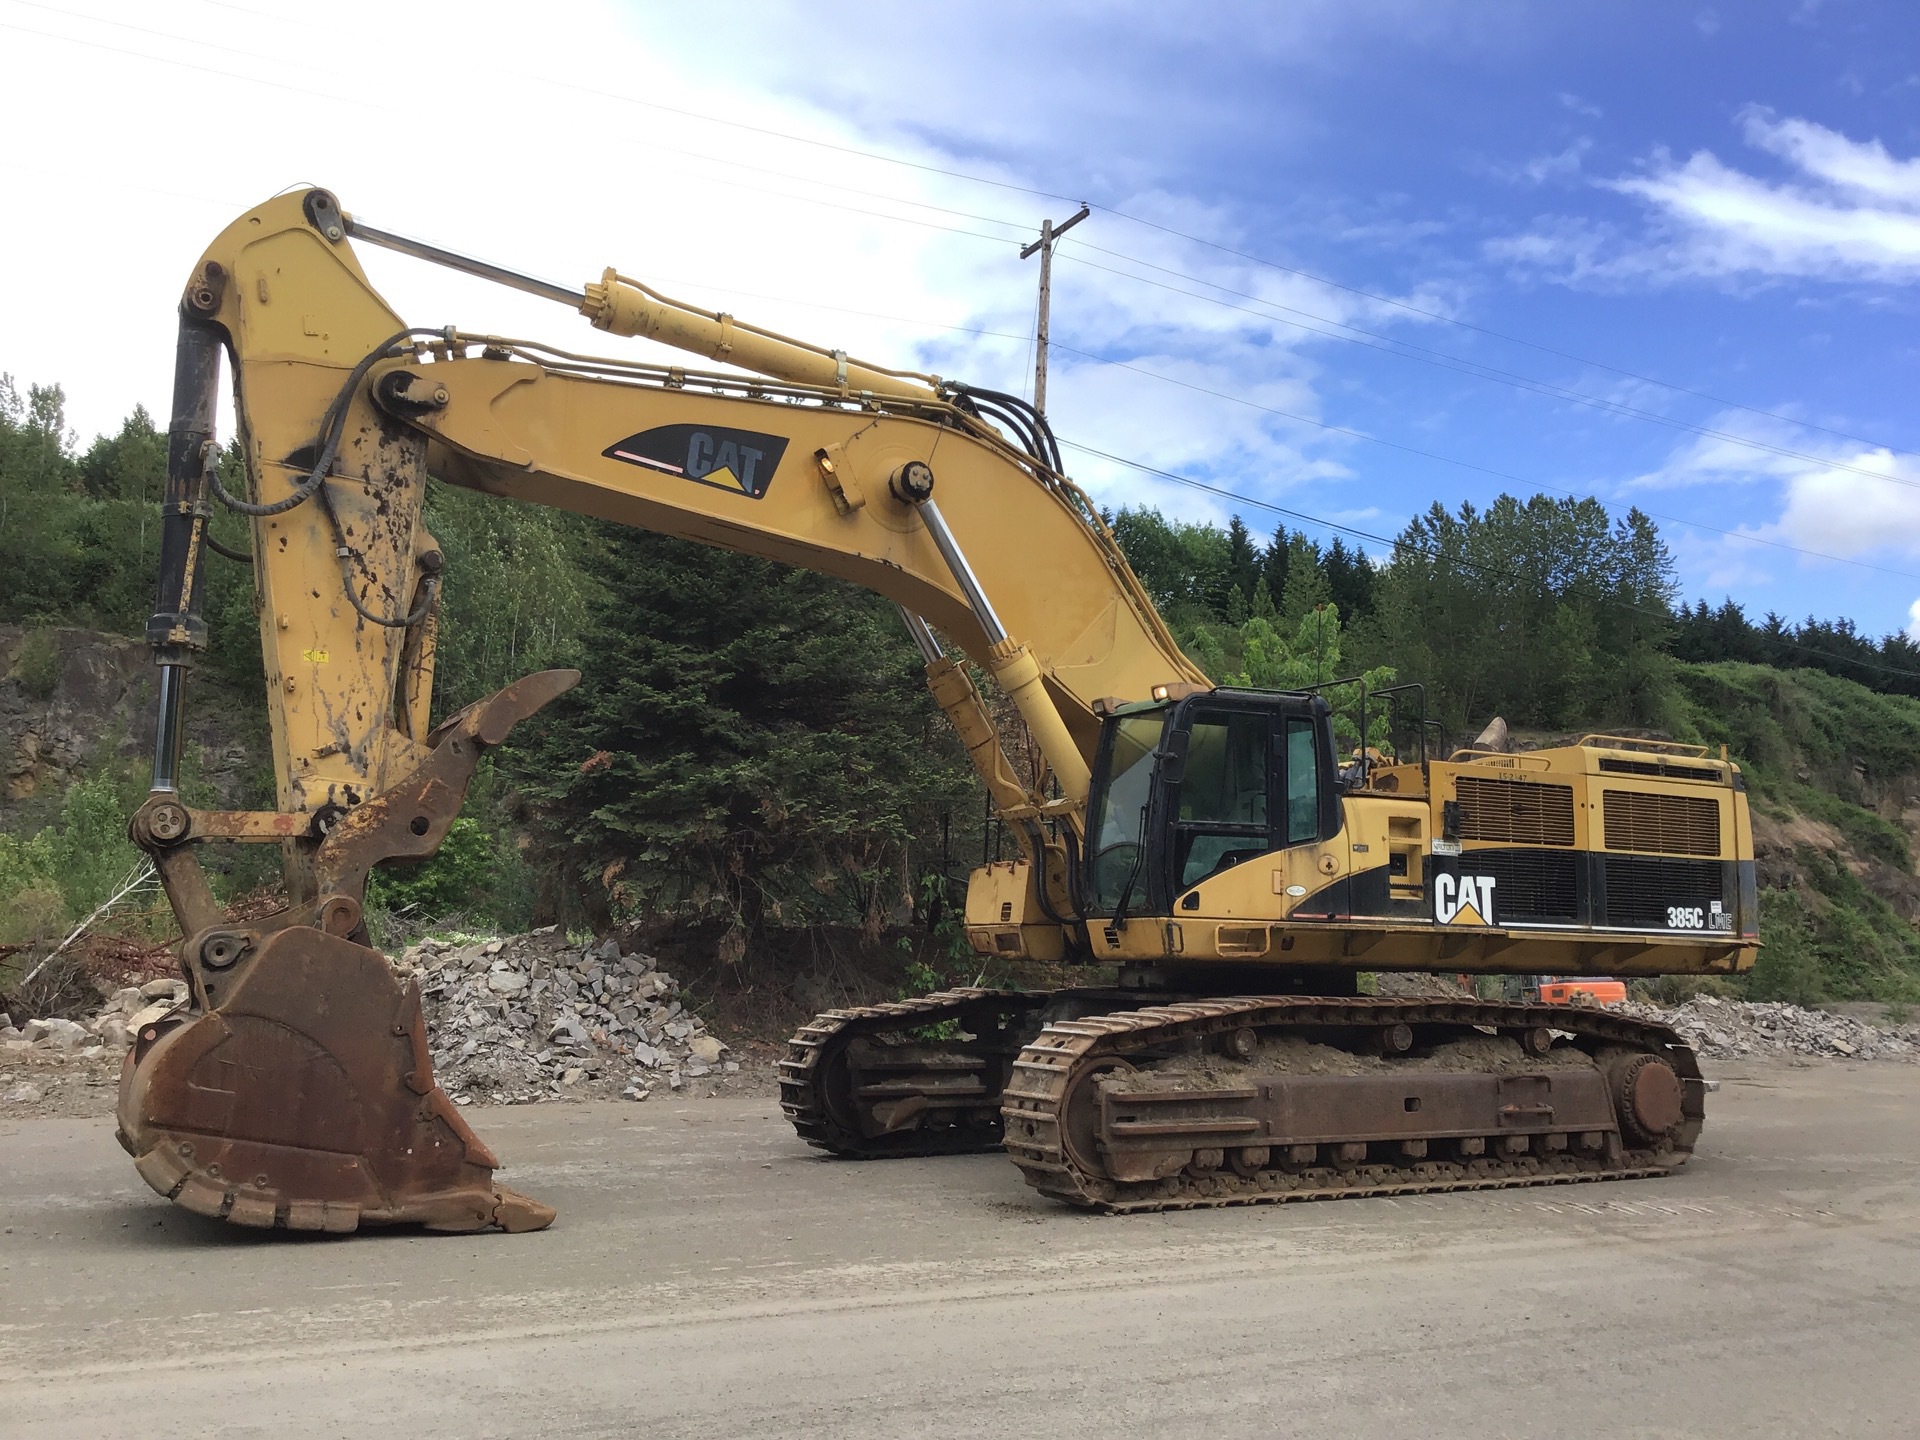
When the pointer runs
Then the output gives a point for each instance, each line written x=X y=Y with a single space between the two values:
x=111 y=1031
x=1736 y=1029
x=538 y=1017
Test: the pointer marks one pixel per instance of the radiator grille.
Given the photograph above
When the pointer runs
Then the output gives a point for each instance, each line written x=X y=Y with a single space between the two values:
x=1641 y=889
x=1517 y=812
x=1660 y=767
x=1534 y=885
x=1672 y=824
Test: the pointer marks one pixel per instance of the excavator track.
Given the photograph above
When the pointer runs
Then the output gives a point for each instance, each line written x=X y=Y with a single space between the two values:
x=871 y=1083
x=1621 y=1099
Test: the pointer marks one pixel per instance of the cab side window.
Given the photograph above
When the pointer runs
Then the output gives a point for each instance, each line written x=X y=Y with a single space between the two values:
x=1303 y=783
x=1226 y=779
x=1222 y=819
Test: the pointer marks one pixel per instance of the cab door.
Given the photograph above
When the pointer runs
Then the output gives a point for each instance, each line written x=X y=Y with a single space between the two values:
x=1311 y=879
x=1223 y=809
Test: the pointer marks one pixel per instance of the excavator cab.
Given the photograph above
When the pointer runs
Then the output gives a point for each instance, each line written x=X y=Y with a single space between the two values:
x=1183 y=791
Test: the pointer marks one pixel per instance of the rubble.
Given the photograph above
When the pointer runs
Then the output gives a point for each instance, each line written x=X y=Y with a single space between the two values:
x=1744 y=1029
x=55 y=1034
x=512 y=1019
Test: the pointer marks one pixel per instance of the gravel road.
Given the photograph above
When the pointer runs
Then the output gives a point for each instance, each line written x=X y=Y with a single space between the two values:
x=710 y=1276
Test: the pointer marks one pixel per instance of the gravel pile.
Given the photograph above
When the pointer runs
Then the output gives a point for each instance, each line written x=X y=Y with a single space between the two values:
x=108 y=1032
x=1736 y=1029
x=519 y=1018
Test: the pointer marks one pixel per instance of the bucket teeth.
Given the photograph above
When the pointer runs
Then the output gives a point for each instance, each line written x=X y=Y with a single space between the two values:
x=516 y=1213
x=254 y=1210
x=318 y=1215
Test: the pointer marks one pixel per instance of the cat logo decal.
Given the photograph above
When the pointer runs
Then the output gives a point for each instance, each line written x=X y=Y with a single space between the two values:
x=1463 y=899
x=742 y=461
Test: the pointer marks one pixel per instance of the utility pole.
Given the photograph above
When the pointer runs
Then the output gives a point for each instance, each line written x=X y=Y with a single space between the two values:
x=1045 y=246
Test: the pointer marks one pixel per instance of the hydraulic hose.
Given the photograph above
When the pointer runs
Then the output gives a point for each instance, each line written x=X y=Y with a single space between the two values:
x=333 y=428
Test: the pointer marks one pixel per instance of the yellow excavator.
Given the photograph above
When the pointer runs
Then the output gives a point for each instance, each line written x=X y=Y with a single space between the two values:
x=1226 y=868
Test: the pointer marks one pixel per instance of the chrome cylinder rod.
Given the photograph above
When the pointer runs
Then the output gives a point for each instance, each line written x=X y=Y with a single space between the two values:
x=962 y=572
x=499 y=274
x=166 y=731
x=922 y=634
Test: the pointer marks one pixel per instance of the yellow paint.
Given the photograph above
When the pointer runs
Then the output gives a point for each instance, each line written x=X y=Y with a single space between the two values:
x=318 y=657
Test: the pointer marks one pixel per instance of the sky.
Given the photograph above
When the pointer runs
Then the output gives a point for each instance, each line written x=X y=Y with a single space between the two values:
x=1349 y=259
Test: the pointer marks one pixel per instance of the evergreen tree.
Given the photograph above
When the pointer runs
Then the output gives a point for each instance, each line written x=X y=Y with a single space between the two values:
x=1242 y=568
x=1273 y=562
x=1350 y=579
x=1306 y=588
x=751 y=746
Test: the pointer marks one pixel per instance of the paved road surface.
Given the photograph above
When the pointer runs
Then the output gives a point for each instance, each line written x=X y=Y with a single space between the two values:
x=710 y=1276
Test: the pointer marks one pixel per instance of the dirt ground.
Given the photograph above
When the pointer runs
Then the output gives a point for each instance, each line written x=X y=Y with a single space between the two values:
x=710 y=1275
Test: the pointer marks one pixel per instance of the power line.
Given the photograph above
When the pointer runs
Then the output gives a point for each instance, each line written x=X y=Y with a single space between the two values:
x=1308 y=420
x=1477 y=468
x=1247 y=256
x=1432 y=554
x=1458 y=363
x=183 y=64
x=1389 y=345
x=1475 y=370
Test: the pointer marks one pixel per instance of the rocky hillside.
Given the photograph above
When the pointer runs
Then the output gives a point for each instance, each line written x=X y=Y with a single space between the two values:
x=74 y=702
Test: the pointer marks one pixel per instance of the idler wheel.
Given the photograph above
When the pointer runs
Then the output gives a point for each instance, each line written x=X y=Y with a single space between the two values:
x=1646 y=1098
x=1080 y=1115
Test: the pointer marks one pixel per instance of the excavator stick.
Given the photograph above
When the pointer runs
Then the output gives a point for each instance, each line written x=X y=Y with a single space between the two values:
x=294 y=1086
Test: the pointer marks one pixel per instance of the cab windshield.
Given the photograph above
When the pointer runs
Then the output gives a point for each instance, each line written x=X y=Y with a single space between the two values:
x=1121 y=816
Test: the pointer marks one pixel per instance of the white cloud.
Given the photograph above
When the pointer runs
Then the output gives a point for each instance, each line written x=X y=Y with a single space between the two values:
x=1557 y=167
x=1847 y=209
x=487 y=135
x=1861 y=167
x=1845 y=501
x=1913 y=620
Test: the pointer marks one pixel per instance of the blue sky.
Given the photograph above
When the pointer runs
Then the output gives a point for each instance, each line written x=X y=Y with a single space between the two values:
x=1725 y=199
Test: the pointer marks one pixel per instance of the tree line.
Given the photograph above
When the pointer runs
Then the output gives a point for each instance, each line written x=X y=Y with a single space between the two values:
x=752 y=748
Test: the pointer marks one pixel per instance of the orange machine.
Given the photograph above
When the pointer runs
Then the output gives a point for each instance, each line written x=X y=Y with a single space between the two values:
x=1573 y=989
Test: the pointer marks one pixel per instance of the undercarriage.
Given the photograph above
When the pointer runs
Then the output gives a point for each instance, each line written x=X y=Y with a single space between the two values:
x=1122 y=1100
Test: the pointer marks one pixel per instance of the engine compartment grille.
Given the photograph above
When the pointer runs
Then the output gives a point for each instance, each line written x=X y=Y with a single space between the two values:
x=1659 y=768
x=1667 y=824
x=1537 y=885
x=1641 y=889
x=1518 y=812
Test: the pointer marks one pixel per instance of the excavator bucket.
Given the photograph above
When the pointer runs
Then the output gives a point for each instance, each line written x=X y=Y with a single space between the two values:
x=304 y=1098
x=295 y=1088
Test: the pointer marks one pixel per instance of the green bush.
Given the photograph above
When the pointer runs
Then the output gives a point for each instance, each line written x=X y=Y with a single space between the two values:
x=56 y=876
x=36 y=665
x=1788 y=967
x=450 y=881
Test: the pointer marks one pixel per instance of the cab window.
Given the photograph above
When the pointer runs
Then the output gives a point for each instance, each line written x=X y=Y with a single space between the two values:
x=1222 y=819
x=1303 y=783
